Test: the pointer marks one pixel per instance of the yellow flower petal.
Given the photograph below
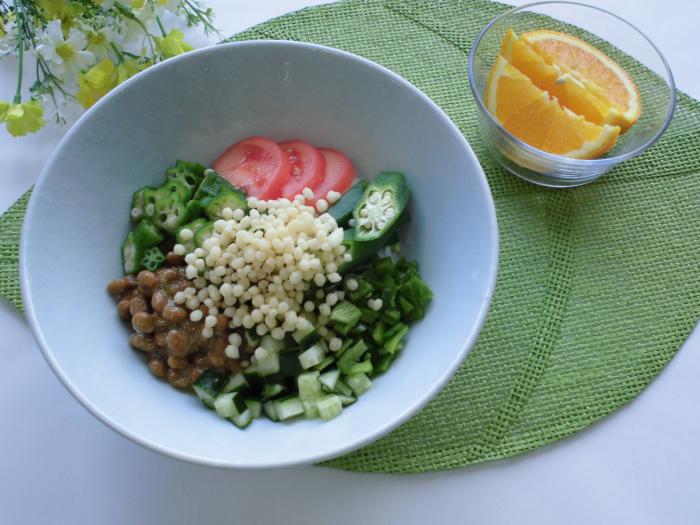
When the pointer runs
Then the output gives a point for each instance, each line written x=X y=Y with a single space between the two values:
x=173 y=44
x=96 y=83
x=24 y=118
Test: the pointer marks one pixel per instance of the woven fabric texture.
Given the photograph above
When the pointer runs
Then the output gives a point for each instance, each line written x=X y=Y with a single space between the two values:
x=597 y=287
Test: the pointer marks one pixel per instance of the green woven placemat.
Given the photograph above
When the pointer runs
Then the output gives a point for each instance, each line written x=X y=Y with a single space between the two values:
x=597 y=287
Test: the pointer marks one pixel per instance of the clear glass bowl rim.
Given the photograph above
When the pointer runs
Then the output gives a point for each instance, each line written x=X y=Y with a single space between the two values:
x=597 y=163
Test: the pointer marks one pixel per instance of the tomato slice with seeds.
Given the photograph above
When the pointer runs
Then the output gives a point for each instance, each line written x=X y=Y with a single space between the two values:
x=256 y=165
x=339 y=174
x=308 y=167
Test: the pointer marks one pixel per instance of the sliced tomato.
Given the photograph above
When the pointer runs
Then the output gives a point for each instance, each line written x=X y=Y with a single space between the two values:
x=339 y=174
x=256 y=165
x=308 y=167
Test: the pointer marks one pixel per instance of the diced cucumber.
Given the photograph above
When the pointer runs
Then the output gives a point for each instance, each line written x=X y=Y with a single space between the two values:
x=329 y=360
x=271 y=390
x=309 y=386
x=346 y=400
x=288 y=408
x=359 y=383
x=270 y=411
x=236 y=382
x=345 y=316
x=329 y=407
x=312 y=356
x=229 y=405
x=271 y=344
x=255 y=407
x=329 y=380
x=207 y=387
x=341 y=387
x=289 y=365
x=351 y=356
x=234 y=200
x=310 y=409
x=306 y=336
x=243 y=419
x=252 y=339
x=269 y=365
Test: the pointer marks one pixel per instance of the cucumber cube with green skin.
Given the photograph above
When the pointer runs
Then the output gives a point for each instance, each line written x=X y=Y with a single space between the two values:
x=359 y=383
x=208 y=385
x=329 y=407
x=309 y=386
x=345 y=316
x=380 y=206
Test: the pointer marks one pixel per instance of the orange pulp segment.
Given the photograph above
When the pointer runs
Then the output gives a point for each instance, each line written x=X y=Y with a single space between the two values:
x=601 y=75
x=528 y=113
x=570 y=91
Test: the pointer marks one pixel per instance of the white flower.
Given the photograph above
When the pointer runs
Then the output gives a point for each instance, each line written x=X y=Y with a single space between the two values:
x=8 y=41
x=67 y=57
x=98 y=41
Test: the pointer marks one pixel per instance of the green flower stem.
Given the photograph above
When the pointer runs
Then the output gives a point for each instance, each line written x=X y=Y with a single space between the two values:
x=20 y=50
x=160 y=26
x=120 y=55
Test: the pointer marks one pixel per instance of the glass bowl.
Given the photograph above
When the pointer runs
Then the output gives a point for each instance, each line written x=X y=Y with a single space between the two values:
x=617 y=38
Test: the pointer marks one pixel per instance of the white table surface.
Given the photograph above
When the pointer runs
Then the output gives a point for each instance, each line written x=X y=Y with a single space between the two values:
x=59 y=465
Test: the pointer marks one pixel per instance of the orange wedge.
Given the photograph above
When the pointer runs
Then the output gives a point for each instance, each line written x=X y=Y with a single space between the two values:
x=570 y=92
x=530 y=114
x=600 y=74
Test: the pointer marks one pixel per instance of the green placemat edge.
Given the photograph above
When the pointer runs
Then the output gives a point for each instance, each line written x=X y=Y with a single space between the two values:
x=504 y=434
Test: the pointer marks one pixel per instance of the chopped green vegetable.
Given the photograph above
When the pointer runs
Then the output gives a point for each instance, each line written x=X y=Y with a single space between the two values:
x=351 y=356
x=138 y=204
x=380 y=206
x=132 y=253
x=235 y=200
x=147 y=235
x=342 y=210
x=153 y=258
x=189 y=174
x=170 y=213
x=208 y=385
x=345 y=316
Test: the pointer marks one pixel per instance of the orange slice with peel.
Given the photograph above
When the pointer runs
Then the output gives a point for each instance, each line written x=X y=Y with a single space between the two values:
x=529 y=113
x=600 y=74
x=559 y=82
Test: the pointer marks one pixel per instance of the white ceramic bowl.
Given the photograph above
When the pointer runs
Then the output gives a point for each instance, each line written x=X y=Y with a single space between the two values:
x=193 y=107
